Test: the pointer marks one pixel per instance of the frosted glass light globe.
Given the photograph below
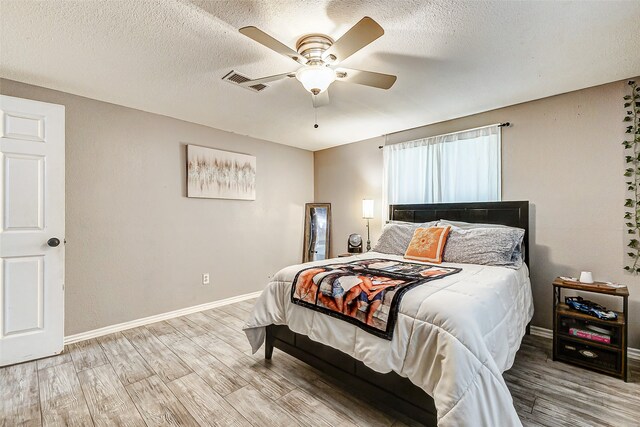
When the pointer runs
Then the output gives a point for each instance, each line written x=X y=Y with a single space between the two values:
x=316 y=78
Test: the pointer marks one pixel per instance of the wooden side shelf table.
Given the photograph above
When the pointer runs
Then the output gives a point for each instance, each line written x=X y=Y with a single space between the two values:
x=586 y=341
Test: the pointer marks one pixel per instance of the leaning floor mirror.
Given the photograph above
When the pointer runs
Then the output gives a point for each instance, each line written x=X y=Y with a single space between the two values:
x=317 y=232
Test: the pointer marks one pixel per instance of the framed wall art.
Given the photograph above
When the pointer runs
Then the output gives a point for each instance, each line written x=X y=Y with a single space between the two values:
x=218 y=174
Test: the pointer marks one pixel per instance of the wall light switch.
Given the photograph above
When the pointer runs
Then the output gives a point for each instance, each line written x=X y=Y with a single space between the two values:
x=205 y=278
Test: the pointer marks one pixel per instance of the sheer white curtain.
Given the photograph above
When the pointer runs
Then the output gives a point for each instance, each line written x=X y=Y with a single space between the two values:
x=457 y=167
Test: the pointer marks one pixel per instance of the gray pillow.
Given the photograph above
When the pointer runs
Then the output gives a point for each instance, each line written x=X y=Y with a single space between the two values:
x=393 y=221
x=469 y=225
x=396 y=237
x=499 y=246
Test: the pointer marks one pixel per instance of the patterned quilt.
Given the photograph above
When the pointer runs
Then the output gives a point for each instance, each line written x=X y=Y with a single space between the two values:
x=366 y=293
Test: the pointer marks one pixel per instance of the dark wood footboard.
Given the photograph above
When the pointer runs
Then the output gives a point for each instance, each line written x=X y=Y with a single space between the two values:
x=391 y=389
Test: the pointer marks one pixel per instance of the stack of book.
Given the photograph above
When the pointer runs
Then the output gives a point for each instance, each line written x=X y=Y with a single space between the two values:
x=588 y=335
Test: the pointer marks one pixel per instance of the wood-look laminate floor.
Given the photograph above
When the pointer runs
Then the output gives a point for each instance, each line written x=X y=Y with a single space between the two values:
x=198 y=370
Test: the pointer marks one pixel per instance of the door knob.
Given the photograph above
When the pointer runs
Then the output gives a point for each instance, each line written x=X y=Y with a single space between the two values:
x=53 y=242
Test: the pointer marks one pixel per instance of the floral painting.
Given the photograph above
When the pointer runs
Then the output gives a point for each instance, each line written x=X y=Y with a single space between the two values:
x=217 y=174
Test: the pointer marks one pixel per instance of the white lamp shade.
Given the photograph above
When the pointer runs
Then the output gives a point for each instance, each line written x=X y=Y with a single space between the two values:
x=367 y=209
x=316 y=78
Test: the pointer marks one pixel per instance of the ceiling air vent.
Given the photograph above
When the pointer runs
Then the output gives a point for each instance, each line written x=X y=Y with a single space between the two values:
x=236 y=78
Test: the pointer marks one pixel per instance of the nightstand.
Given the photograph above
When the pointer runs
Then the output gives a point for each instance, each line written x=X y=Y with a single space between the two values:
x=586 y=341
x=346 y=255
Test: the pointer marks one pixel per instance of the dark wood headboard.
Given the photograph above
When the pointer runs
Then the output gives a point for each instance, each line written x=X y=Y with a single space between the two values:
x=513 y=214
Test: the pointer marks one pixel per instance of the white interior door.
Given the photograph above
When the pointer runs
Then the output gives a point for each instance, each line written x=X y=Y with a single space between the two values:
x=31 y=229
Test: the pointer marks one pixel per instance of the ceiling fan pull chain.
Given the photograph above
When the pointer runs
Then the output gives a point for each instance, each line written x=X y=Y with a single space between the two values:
x=315 y=111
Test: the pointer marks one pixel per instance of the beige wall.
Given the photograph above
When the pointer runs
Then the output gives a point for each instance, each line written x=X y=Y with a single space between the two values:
x=562 y=153
x=136 y=246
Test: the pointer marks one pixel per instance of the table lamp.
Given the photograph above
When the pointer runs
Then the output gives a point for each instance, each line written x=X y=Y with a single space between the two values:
x=367 y=213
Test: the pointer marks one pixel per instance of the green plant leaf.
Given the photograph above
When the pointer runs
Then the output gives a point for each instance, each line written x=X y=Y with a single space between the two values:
x=632 y=117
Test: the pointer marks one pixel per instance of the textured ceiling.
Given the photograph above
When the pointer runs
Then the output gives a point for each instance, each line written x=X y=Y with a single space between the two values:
x=452 y=58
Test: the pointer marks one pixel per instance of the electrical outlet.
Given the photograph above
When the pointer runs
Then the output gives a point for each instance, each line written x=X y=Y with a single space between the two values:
x=205 y=278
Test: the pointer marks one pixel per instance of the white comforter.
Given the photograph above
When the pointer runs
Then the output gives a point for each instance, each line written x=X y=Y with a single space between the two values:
x=454 y=336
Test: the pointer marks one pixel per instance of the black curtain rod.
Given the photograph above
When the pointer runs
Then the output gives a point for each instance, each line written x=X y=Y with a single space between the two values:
x=501 y=125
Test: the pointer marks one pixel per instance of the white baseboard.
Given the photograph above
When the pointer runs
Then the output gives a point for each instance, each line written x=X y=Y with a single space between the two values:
x=156 y=318
x=632 y=353
x=541 y=332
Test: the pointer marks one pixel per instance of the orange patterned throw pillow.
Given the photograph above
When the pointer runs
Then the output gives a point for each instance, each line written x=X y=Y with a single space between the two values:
x=428 y=244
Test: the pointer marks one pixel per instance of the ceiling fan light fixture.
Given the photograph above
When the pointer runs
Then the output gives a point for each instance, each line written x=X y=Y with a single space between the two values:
x=316 y=78
x=318 y=53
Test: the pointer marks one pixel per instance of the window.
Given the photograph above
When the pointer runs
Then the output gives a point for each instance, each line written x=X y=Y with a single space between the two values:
x=456 y=167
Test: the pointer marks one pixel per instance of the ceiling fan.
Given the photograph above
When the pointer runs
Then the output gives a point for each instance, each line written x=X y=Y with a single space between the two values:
x=319 y=54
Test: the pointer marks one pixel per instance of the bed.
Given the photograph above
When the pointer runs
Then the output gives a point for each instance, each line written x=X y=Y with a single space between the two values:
x=444 y=365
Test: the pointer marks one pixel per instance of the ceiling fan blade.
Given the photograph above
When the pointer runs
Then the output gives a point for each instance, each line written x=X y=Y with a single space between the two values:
x=273 y=44
x=367 y=78
x=267 y=79
x=321 y=99
x=360 y=35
